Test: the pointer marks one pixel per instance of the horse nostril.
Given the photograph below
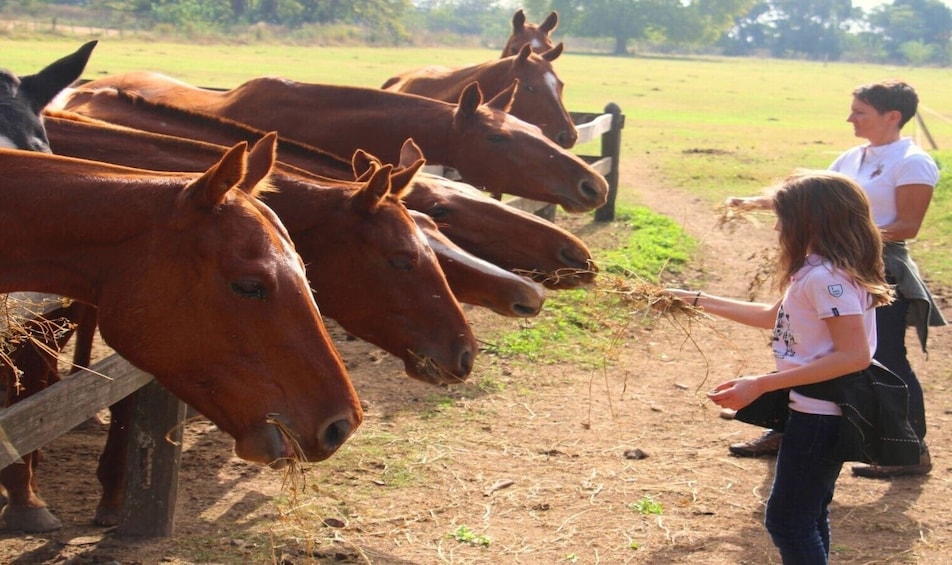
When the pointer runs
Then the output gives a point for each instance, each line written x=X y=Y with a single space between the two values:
x=525 y=311
x=591 y=191
x=566 y=139
x=336 y=434
x=466 y=364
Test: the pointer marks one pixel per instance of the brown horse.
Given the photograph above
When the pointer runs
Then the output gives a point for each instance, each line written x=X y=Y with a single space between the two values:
x=195 y=282
x=538 y=98
x=484 y=227
x=535 y=36
x=503 y=292
x=503 y=235
x=490 y=148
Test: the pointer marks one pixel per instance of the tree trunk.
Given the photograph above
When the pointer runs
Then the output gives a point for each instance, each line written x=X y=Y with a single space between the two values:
x=621 y=46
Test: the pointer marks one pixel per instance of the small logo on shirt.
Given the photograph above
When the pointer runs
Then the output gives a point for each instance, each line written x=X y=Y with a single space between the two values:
x=877 y=172
x=835 y=290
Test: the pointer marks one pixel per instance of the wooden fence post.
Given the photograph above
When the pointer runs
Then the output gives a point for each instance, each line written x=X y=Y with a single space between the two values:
x=611 y=147
x=152 y=464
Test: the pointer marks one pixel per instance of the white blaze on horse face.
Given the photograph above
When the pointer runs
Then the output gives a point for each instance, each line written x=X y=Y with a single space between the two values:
x=536 y=44
x=552 y=82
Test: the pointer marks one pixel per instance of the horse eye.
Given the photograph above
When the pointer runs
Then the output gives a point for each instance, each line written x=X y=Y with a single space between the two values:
x=248 y=289
x=496 y=138
x=530 y=88
x=401 y=263
x=438 y=212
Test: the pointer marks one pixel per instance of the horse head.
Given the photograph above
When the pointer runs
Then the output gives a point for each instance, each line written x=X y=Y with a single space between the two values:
x=22 y=99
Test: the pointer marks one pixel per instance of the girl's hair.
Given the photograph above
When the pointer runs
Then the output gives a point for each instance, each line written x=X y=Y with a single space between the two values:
x=828 y=214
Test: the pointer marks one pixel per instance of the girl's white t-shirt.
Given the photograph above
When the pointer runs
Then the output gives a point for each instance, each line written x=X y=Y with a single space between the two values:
x=817 y=291
x=879 y=170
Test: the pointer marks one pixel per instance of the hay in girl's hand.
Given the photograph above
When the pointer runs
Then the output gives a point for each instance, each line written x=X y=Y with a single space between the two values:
x=651 y=297
x=730 y=217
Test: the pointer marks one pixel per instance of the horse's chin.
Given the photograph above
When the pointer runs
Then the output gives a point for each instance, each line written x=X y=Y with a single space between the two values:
x=266 y=445
x=430 y=373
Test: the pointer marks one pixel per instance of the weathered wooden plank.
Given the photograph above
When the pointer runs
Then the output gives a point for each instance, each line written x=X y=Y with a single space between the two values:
x=32 y=423
x=154 y=451
x=594 y=129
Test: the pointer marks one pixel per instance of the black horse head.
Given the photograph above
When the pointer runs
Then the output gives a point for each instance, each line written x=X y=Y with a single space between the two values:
x=22 y=99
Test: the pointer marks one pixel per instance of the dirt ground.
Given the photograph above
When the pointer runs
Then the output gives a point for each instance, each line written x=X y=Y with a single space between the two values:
x=527 y=463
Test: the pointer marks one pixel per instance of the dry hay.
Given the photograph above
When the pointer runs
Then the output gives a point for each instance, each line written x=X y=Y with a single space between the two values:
x=731 y=217
x=23 y=320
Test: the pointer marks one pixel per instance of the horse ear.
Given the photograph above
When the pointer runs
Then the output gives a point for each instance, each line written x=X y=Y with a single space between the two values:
x=261 y=160
x=518 y=20
x=361 y=163
x=503 y=100
x=39 y=89
x=401 y=180
x=524 y=53
x=210 y=189
x=551 y=22
x=410 y=153
x=469 y=100
x=377 y=188
x=553 y=54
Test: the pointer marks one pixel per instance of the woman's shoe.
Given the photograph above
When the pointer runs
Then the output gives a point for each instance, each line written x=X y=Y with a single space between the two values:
x=890 y=471
x=765 y=446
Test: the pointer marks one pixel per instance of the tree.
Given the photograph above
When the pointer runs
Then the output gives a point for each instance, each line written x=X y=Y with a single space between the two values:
x=911 y=22
x=697 y=22
x=794 y=28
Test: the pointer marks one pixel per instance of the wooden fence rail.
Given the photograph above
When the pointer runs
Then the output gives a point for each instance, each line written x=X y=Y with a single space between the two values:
x=155 y=437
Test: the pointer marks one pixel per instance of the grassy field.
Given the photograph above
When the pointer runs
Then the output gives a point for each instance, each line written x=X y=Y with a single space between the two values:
x=712 y=126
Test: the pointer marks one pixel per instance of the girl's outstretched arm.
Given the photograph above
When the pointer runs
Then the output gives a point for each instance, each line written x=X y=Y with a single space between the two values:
x=756 y=314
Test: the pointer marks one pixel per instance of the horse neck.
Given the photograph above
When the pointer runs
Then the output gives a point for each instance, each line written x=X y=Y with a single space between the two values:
x=492 y=76
x=129 y=147
x=349 y=118
x=64 y=239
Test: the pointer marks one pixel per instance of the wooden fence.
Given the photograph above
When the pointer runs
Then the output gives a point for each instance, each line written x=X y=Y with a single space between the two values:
x=155 y=440
x=155 y=437
x=607 y=126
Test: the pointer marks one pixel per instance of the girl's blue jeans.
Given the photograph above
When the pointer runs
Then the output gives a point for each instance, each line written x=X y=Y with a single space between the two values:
x=797 y=515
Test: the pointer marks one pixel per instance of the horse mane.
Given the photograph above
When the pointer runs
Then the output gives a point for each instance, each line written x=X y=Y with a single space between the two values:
x=239 y=130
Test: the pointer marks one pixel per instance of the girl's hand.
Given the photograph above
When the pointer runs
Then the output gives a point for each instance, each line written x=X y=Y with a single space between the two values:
x=737 y=393
x=748 y=203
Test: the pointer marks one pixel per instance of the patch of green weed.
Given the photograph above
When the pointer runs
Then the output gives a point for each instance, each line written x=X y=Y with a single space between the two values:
x=463 y=534
x=647 y=505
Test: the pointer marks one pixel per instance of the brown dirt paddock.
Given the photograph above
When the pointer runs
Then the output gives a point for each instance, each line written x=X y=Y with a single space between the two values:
x=540 y=463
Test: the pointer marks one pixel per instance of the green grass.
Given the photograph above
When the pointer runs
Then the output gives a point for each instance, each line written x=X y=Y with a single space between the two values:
x=579 y=325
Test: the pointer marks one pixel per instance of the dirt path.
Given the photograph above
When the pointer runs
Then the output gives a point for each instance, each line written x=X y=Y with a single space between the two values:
x=550 y=462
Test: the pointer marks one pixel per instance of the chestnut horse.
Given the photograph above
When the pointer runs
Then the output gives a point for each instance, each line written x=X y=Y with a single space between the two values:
x=535 y=36
x=492 y=231
x=498 y=233
x=538 y=98
x=490 y=148
x=524 y=296
x=195 y=282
